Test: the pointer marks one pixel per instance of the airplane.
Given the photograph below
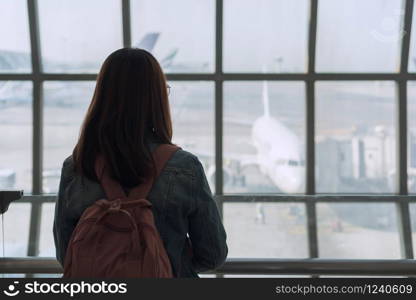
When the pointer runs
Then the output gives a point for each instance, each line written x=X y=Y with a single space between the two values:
x=149 y=41
x=14 y=93
x=277 y=155
x=278 y=150
x=168 y=62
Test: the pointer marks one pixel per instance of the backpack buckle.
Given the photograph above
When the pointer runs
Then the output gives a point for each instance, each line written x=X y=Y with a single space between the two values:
x=115 y=205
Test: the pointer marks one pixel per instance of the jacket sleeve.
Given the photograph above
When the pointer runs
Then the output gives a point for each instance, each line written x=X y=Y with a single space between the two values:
x=63 y=224
x=206 y=231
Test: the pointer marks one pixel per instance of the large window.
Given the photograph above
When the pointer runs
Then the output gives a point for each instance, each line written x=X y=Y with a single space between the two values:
x=266 y=230
x=264 y=137
x=359 y=36
x=76 y=35
x=411 y=117
x=356 y=149
x=14 y=33
x=295 y=108
x=192 y=111
x=265 y=36
x=16 y=135
x=358 y=230
x=180 y=33
x=64 y=107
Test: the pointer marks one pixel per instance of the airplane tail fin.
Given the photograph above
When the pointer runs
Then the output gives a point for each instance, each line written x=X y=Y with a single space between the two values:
x=168 y=60
x=148 y=42
x=266 y=100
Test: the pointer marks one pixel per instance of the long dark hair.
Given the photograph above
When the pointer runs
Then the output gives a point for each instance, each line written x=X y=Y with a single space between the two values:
x=129 y=108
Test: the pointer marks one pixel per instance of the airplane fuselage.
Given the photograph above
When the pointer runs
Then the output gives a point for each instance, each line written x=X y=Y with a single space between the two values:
x=278 y=154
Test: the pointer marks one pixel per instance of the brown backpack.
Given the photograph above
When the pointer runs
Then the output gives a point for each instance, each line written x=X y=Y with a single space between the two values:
x=117 y=236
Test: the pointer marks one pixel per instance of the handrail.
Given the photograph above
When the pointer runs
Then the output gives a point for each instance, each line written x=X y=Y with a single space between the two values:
x=250 y=266
x=244 y=198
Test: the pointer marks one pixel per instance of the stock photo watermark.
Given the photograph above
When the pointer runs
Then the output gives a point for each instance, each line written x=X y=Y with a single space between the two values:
x=71 y=288
x=390 y=30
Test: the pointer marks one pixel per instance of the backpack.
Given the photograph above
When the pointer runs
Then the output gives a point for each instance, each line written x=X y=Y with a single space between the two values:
x=117 y=236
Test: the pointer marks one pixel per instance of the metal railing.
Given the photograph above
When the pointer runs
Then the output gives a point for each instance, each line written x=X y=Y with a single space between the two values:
x=249 y=266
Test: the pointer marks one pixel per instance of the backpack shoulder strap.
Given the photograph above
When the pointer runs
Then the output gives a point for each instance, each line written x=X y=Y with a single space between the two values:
x=161 y=155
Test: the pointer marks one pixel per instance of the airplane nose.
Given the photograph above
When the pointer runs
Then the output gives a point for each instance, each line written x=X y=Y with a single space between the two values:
x=289 y=180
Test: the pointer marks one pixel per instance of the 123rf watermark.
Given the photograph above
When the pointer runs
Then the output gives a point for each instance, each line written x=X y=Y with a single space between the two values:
x=66 y=288
x=364 y=289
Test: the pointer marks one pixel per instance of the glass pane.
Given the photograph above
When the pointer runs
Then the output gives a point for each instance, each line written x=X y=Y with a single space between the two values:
x=411 y=109
x=359 y=36
x=192 y=108
x=265 y=36
x=268 y=230
x=364 y=230
x=208 y=276
x=16 y=229
x=355 y=137
x=412 y=208
x=179 y=33
x=16 y=135
x=76 y=36
x=264 y=133
x=14 y=41
x=46 y=242
x=65 y=105
x=412 y=53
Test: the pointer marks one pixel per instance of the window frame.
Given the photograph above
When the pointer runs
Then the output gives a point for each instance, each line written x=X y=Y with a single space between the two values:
x=310 y=199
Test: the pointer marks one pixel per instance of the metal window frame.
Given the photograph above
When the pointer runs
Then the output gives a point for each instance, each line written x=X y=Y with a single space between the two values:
x=37 y=139
x=402 y=199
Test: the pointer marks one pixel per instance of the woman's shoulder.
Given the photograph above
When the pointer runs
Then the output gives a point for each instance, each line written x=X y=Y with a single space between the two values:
x=184 y=162
x=184 y=159
x=68 y=163
x=68 y=169
x=184 y=156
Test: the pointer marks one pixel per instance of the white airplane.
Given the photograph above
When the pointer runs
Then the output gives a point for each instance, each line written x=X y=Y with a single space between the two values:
x=16 y=92
x=168 y=62
x=278 y=152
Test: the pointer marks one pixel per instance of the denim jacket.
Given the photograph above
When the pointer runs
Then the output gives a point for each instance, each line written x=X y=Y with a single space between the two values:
x=183 y=208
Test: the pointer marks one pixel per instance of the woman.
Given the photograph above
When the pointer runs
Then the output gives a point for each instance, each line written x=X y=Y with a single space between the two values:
x=128 y=117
